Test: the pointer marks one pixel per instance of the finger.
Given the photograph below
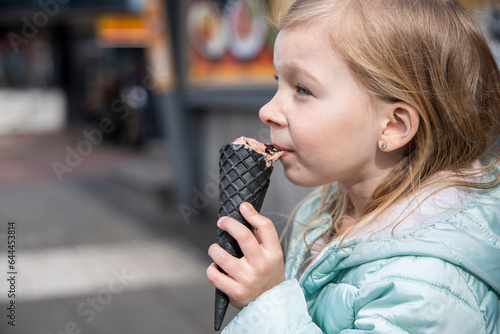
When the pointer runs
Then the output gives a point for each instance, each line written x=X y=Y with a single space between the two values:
x=257 y=236
x=224 y=260
x=265 y=227
x=245 y=238
x=221 y=281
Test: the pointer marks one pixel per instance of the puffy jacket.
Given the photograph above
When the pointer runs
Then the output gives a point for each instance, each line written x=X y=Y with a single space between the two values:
x=438 y=272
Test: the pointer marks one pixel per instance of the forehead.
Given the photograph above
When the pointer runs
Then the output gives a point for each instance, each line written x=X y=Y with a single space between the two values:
x=308 y=46
x=298 y=41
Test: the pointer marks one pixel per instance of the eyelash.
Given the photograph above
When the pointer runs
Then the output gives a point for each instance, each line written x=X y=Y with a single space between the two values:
x=302 y=91
x=299 y=89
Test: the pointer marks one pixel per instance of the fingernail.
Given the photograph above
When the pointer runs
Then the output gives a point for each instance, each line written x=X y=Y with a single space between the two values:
x=245 y=207
x=219 y=222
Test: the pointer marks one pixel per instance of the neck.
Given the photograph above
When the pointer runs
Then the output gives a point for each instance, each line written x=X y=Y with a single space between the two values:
x=361 y=193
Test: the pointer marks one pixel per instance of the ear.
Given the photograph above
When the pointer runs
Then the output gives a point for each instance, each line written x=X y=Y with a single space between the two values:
x=399 y=125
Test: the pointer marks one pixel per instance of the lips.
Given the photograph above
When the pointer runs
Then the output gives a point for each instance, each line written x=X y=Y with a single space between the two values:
x=285 y=150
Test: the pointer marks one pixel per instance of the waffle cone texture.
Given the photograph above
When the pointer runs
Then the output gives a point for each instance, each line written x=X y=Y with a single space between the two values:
x=243 y=177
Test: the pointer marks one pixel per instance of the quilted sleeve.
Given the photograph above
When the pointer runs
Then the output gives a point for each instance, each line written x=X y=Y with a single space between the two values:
x=282 y=309
x=417 y=295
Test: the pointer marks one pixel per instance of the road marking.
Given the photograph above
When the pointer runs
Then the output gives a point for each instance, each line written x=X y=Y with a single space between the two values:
x=86 y=269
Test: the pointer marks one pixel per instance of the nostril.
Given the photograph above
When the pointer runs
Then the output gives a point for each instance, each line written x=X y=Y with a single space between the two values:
x=273 y=124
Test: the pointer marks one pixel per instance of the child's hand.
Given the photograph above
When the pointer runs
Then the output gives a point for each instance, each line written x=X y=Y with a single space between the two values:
x=260 y=268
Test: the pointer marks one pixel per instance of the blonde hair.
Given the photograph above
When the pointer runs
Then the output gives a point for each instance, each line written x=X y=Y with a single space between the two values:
x=430 y=55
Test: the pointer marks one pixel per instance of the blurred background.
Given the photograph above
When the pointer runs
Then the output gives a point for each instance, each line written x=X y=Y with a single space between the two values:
x=112 y=114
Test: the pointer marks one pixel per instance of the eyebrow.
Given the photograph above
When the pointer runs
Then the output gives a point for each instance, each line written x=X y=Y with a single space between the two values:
x=296 y=68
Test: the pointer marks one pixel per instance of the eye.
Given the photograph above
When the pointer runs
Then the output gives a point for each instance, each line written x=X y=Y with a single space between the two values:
x=275 y=76
x=302 y=91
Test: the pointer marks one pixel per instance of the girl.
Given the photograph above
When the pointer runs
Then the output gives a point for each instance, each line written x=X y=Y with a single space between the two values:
x=392 y=106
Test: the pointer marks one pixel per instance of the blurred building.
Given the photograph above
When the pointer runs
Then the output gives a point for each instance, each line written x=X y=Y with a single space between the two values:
x=68 y=62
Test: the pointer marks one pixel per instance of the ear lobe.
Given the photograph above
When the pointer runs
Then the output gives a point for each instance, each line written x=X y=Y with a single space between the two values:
x=400 y=126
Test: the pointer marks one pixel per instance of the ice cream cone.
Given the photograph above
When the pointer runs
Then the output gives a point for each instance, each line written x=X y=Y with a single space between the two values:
x=244 y=176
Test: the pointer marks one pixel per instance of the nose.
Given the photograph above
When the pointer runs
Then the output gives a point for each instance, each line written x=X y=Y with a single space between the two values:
x=271 y=113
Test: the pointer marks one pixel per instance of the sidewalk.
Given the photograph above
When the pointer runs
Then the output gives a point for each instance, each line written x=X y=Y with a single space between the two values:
x=101 y=252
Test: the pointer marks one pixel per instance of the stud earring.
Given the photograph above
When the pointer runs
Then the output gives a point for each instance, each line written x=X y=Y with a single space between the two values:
x=383 y=146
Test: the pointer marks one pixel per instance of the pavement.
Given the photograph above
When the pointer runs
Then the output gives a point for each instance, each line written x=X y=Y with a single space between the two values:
x=100 y=243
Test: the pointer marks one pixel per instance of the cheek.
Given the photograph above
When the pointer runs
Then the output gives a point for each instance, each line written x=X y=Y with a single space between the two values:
x=332 y=146
x=321 y=137
x=311 y=166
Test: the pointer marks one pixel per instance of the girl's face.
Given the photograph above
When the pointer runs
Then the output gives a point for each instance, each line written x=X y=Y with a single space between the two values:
x=326 y=124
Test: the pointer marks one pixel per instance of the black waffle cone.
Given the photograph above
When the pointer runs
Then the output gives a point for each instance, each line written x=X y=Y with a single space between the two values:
x=243 y=177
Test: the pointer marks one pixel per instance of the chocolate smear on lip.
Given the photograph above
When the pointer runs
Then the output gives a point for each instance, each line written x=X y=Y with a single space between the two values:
x=270 y=149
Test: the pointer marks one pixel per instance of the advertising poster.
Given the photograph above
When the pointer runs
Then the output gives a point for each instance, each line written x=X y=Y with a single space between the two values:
x=230 y=43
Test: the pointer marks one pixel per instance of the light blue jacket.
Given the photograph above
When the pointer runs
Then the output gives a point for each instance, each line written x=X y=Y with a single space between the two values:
x=441 y=275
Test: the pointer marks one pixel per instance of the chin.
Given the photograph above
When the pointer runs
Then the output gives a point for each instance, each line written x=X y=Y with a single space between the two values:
x=302 y=181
